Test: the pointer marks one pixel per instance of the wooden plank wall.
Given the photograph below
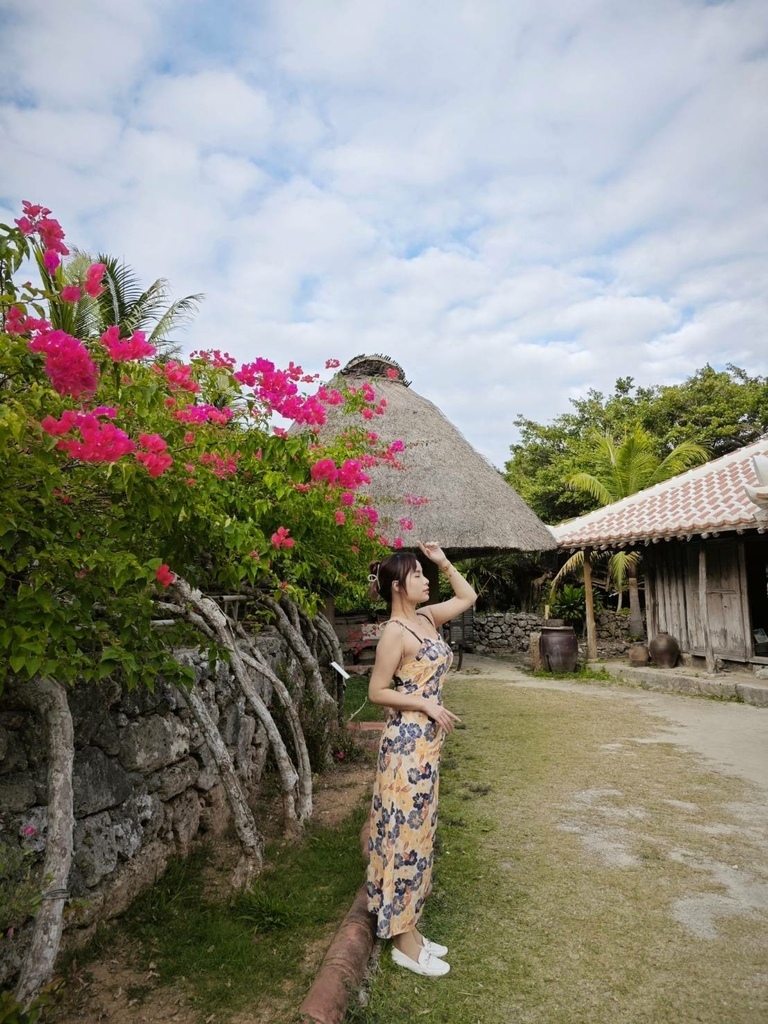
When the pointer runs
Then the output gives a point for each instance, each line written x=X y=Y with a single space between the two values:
x=672 y=596
x=668 y=585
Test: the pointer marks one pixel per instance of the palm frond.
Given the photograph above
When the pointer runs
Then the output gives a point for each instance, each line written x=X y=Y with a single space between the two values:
x=619 y=565
x=685 y=456
x=591 y=485
x=572 y=565
x=178 y=316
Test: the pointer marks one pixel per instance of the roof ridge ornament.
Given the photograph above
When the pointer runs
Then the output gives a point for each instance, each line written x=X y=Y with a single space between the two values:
x=375 y=365
x=759 y=495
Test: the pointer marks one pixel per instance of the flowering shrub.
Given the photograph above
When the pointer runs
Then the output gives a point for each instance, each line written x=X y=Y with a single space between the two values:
x=122 y=471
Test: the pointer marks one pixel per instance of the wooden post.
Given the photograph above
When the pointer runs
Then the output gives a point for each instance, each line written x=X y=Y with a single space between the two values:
x=709 y=653
x=591 y=630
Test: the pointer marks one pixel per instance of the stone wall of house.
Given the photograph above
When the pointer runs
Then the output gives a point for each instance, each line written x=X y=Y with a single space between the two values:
x=508 y=633
x=504 y=632
x=145 y=785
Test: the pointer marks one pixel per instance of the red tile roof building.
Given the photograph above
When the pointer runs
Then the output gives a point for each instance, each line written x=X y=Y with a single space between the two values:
x=705 y=501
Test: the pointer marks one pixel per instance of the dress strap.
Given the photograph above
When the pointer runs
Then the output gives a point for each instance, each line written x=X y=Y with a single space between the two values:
x=429 y=620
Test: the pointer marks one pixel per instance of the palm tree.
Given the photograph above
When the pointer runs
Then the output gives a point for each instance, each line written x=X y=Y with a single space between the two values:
x=123 y=302
x=622 y=469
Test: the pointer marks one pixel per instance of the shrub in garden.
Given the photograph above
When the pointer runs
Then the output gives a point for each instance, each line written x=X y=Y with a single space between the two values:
x=128 y=479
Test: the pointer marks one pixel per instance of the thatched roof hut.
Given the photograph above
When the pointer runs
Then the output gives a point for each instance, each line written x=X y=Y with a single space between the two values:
x=470 y=508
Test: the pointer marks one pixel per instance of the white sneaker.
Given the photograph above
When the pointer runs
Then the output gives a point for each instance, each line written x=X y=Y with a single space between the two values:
x=434 y=948
x=429 y=966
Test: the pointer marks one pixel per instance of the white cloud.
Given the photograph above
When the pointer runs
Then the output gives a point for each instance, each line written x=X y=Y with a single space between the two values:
x=517 y=201
x=213 y=109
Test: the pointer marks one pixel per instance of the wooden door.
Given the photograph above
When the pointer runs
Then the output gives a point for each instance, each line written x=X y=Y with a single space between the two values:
x=726 y=602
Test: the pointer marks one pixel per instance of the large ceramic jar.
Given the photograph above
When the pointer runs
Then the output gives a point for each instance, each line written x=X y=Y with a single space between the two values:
x=559 y=649
x=638 y=654
x=664 y=650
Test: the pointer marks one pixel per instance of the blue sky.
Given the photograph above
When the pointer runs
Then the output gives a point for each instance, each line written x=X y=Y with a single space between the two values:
x=516 y=200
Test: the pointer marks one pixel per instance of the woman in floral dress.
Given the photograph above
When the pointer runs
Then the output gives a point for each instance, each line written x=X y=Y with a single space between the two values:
x=412 y=655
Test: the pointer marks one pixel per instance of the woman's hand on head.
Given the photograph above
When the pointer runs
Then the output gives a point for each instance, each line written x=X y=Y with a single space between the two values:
x=441 y=715
x=434 y=552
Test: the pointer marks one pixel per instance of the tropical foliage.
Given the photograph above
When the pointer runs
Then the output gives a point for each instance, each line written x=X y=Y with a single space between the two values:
x=117 y=465
x=623 y=468
x=719 y=409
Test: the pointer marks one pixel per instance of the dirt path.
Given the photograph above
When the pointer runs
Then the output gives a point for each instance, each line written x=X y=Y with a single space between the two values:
x=604 y=859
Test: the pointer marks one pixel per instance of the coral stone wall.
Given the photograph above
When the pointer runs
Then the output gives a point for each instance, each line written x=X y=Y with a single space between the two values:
x=505 y=632
x=509 y=632
x=145 y=785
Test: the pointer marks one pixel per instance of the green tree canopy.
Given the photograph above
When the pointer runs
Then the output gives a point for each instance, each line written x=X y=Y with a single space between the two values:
x=720 y=409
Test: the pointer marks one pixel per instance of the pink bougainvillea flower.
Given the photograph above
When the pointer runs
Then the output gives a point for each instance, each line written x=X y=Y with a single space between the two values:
x=302 y=488
x=367 y=413
x=34 y=209
x=347 y=498
x=28 y=831
x=219 y=466
x=215 y=357
x=164 y=576
x=17 y=322
x=178 y=376
x=254 y=554
x=351 y=475
x=331 y=364
x=62 y=426
x=406 y=524
x=368 y=393
x=51 y=260
x=334 y=397
x=154 y=464
x=392 y=373
x=154 y=458
x=204 y=414
x=93 y=276
x=25 y=225
x=123 y=351
x=153 y=442
x=67 y=363
x=71 y=293
x=51 y=234
x=397 y=446
x=324 y=469
x=280 y=538
x=340 y=518
x=397 y=542
x=189 y=437
x=100 y=442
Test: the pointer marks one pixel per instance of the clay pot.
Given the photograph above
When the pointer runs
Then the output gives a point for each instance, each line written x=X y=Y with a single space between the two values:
x=638 y=654
x=664 y=650
x=559 y=649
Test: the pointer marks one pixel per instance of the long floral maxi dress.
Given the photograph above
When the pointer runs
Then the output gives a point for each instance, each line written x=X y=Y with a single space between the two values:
x=404 y=808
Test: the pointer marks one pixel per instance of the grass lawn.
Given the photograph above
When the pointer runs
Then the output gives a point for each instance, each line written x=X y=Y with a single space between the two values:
x=586 y=874
x=356 y=702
